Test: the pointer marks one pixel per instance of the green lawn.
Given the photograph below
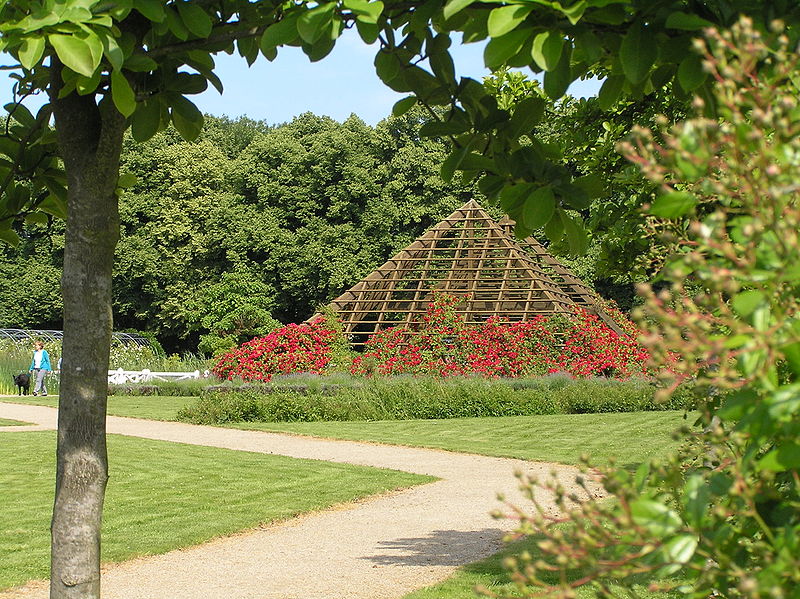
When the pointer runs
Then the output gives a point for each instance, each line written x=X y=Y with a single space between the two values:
x=7 y=422
x=631 y=437
x=166 y=495
x=151 y=407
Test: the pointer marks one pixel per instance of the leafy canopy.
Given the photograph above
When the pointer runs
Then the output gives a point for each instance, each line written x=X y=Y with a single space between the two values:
x=148 y=56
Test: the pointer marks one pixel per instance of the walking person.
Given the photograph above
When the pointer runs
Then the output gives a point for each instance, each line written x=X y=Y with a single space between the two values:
x=40 y=366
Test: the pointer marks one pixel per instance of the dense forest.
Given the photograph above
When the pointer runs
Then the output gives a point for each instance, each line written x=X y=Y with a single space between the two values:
x=253 y=224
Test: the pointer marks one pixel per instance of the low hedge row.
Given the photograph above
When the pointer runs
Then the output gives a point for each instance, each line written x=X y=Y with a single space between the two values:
x=186 y=388
x=407 y=398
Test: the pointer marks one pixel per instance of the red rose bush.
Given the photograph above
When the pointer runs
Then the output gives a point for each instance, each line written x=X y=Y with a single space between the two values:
x=289 y=349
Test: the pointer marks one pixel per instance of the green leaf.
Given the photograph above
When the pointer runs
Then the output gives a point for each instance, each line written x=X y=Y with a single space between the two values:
x=443 y=67
x=36 y=218
x=10 y=237
x=673 y=204
x=589 y=45
x=680 y=549
x=54 y=205
x=557 y=81
x=539 y=208
x=127 y=180
x=547 y=48
x=20 y=113
x=686 y=21
x=512 y=198
x=638 y=52
x=87 y=85
x=473 y=161
x=455 y=6
x=696 y=499
x=506 y=18
x=575 y=11
x=691 y=74
x=75 y=53
x=576 y=234
x=146 y=120
x=195 y=18
x=592 y=184
x=279 y=34
x=403 y=106
x=500 y=49
x=451 y=163
x=319 y=49
x=152 y=9
x=746 y=302
x=388 y=67
x=782 y=458
x=122 y=94
x=554 y=229
x=491 y=185
x=367 y=12
x=791 y=352
x=113 y=52
x=610 y=91
x=368 y=32
x=527 y=114
x=312 y=23
x=31 y=51
x=186 y=117
x=655 y=516
x=138 y=63
x=176 y=25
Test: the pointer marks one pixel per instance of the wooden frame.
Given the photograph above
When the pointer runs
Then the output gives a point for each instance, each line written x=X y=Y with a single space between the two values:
x=467 y=254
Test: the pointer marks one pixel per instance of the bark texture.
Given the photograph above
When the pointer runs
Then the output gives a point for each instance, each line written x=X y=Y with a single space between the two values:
x=90 y=140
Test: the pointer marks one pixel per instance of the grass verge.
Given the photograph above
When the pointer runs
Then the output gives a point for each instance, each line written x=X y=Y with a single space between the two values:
x=631 y=437
x=150 y=407
x=162 y=496
x=7 y=422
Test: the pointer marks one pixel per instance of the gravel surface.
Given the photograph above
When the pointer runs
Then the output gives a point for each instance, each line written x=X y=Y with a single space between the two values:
x=379 y=548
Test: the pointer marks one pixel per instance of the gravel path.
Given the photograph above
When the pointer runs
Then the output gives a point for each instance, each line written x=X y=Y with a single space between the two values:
x=378 y=548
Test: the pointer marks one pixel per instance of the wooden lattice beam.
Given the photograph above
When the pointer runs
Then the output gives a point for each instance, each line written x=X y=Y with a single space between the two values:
x=467 y=254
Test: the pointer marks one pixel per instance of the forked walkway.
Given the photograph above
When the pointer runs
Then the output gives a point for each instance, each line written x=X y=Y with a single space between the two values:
x=378 y=548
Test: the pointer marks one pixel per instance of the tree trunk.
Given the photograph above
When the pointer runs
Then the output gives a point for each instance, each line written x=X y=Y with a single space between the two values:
x=90 y=140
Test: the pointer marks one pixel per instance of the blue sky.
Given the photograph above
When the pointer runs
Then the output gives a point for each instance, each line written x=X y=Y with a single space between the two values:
x=341 y=84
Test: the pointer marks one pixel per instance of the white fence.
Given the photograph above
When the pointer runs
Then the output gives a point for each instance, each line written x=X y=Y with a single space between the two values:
x=122 y=377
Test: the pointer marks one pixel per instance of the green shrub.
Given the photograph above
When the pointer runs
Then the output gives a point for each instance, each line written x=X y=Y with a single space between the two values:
x=185 y=388
x=406 y=398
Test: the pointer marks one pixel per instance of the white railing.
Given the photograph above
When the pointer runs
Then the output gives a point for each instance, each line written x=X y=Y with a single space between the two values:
x=122 y=377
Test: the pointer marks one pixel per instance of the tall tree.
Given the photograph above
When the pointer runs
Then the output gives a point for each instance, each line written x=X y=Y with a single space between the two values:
x=107 y=66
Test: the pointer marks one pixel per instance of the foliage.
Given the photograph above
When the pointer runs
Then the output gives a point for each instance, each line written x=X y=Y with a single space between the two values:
x=405 y=398
x=723 y=514
x=441 y=343
x=291 y=348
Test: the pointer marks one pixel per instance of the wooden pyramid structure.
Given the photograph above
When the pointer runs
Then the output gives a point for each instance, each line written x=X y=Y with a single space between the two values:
x=467 y=254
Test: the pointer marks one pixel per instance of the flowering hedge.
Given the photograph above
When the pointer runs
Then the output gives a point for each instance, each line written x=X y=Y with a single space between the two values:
x=291 y=348
x=580 y=344
x=442 y=344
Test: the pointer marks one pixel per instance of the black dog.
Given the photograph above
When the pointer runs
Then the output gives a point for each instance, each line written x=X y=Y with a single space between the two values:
x=23 y=383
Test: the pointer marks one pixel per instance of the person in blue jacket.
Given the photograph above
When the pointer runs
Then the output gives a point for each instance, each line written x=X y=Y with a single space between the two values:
x=40 y=366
